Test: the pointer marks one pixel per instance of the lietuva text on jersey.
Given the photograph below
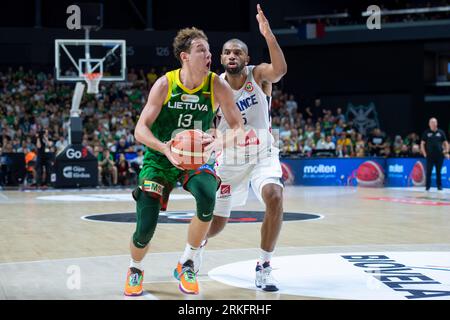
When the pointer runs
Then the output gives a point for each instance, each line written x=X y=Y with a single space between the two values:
x=187 y=106
x=246 y=103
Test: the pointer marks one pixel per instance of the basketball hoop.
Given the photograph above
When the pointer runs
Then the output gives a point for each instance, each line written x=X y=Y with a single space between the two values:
x=92 y=80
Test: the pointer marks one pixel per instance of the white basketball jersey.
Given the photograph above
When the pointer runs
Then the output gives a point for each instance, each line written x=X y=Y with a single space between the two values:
x=254 y=106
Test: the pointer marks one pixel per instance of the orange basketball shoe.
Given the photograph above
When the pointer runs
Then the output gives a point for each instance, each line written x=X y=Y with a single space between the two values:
x=187 y=277
x=133 y=285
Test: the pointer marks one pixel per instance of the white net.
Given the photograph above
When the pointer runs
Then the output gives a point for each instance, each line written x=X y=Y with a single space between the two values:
x=92 y=80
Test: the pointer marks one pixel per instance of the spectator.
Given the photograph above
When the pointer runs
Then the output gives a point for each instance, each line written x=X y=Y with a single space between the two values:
x=124 y=171
x=138 y=147
x=386 y=151
x=309 y=147
x=317 y=136
x=142 y=76
x=43 y=161
x=276 y=121
x=289 y=145
x=340 y=115
x=359 y=142
x=327 y=124
x=404 y=151
x=321 y=143
x=123 y=146
x=360 y=153
x=291 y=105
x=309 y=132
x=30 y=166
x=276 y=92
x=132 y=76
x=286 y=131
x=137 y=162
x=350 y=128
x=339 y=151
x=276 y=105
x=309 y=113
x=317 y=111
x=326 y=144
x=415 y=151
x=61 y=144
x=376 y=142
x=152 y=76
x=411 y=139
x=106 y=168
x=398 y=143
x=346 y=144
x=340 y=127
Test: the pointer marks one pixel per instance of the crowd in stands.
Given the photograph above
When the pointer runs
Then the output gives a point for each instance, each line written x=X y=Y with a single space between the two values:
x=35 y=112
x=317 y=130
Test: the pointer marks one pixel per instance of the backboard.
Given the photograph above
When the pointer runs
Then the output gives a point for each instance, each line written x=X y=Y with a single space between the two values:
x=76 y=57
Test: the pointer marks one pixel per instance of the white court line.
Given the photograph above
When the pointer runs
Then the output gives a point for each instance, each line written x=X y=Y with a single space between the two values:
x=365 y=246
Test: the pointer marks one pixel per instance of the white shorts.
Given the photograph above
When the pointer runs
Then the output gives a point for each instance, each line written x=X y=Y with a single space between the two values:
x=233 y=191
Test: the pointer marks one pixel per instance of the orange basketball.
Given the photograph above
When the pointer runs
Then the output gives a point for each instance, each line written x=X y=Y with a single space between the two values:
x=187 y=148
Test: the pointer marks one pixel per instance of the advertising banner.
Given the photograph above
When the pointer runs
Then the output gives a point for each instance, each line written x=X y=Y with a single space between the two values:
x=75 y=167
x=365 y=172
x=410 y=172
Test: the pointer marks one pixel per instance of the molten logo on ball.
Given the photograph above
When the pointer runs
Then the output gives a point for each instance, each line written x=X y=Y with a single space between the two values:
x=188 y=149
x=370 y=174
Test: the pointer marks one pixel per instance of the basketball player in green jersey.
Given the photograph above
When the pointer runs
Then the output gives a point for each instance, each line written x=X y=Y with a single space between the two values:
x=186 y=98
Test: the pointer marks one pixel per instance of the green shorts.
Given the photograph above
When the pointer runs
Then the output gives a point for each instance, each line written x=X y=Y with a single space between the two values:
x=160 y=177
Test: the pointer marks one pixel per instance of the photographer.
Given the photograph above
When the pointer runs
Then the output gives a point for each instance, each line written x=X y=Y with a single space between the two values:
x=43 y=161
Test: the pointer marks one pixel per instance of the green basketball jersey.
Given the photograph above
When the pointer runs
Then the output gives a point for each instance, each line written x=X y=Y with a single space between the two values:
x=182 y=109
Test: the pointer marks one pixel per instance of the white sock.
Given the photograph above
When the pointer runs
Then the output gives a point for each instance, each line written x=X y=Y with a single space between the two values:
x=264 y=256
x=188 y=254
x=203 y=243
x=136 y=264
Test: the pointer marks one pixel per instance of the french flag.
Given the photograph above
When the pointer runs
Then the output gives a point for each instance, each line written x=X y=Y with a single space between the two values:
x=311 y=30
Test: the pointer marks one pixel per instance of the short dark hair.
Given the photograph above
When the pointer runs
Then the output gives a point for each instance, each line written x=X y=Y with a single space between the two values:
x=239 y=42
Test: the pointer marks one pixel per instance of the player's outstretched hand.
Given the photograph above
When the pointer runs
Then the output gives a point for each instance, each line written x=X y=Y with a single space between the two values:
x=168 y=153
x=264 y=26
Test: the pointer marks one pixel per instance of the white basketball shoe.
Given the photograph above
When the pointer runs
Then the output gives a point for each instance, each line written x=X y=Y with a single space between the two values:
x=264 y=278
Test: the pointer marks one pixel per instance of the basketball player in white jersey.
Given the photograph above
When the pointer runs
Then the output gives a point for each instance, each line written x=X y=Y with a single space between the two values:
x=252 y=88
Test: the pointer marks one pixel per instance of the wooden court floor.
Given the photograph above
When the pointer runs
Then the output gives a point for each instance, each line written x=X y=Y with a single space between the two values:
x=45 y=242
